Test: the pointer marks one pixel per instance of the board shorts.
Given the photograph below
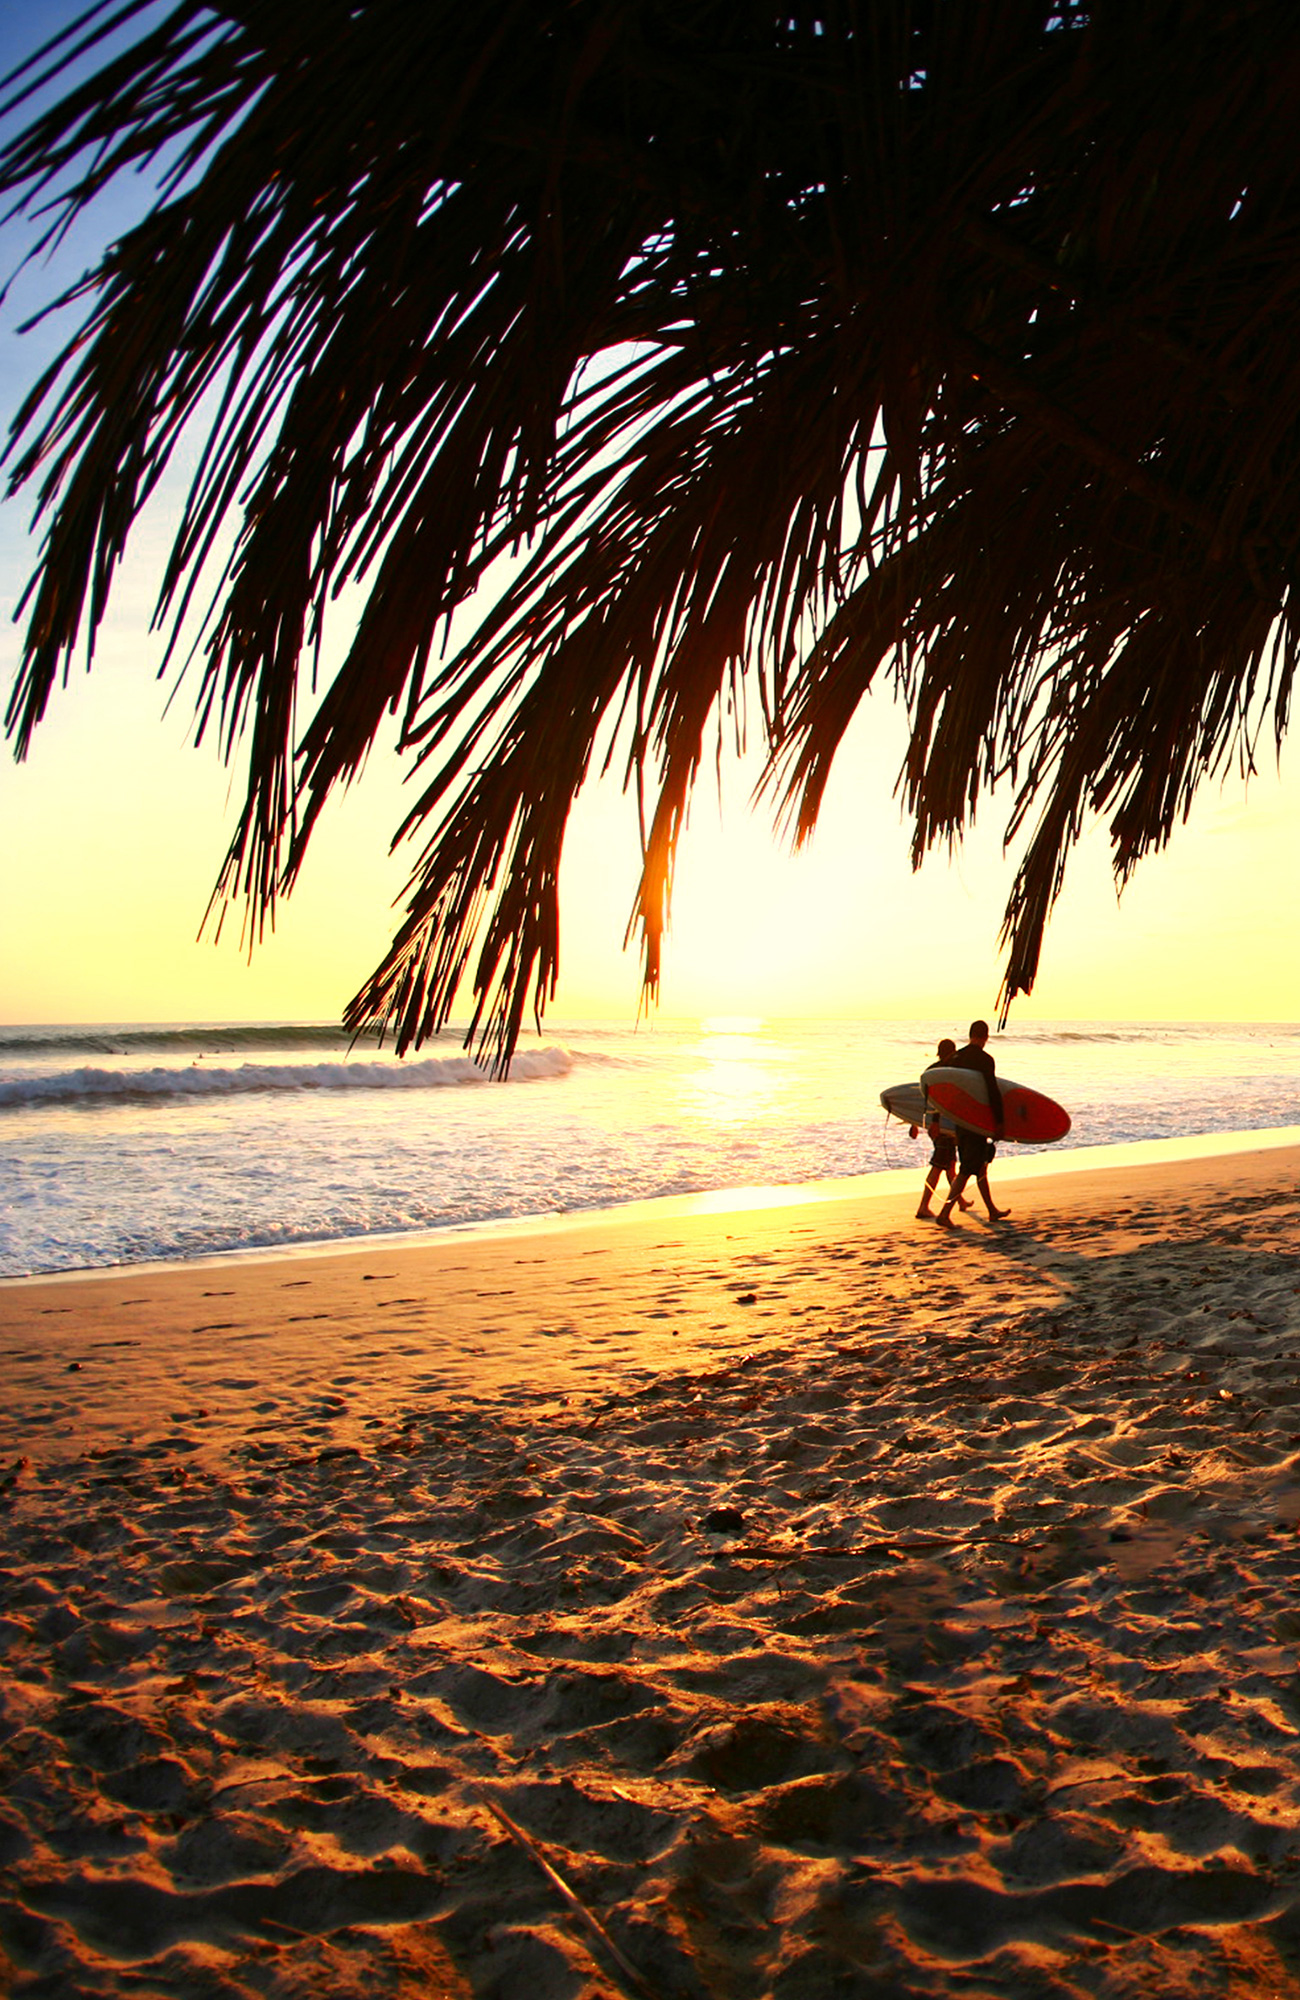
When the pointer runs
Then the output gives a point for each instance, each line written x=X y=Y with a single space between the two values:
x=944 y=1154
x=974 y=1151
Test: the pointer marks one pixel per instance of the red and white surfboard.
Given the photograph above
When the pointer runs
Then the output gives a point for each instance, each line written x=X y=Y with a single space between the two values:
x=1028 y=1116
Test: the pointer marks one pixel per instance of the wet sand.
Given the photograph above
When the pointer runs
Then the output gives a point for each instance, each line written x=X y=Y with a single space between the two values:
x=794 y=1602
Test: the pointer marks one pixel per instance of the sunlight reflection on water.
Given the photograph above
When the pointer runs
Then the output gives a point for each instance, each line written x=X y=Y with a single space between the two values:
x=739 y=1076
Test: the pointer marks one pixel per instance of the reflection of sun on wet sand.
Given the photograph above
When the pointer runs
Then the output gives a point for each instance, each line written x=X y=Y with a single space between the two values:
x=831 y=1607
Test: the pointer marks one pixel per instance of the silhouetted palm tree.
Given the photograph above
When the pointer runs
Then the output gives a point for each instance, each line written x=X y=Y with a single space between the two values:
x=782 y=344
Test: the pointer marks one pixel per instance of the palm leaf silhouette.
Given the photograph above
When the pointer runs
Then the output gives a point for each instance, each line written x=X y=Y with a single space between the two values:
x=770 y=349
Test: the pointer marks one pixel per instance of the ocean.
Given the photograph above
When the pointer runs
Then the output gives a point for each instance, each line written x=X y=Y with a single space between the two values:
x=128 y=1143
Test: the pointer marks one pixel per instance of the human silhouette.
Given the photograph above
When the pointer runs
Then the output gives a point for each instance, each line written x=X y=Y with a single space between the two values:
x=942 y=1134
x=974 y=1150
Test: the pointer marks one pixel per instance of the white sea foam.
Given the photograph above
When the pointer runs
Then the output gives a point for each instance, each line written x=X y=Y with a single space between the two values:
x=203 y=1079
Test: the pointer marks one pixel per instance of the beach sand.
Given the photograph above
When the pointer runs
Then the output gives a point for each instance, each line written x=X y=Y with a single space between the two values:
x=797 y=1602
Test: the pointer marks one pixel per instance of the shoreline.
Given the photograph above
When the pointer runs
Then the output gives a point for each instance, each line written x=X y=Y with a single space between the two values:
x=588 y=1299
x=833 y=1604
x=883 y=1183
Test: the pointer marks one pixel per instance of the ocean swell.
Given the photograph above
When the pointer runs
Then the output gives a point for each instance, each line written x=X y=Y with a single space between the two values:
x=202 y=1079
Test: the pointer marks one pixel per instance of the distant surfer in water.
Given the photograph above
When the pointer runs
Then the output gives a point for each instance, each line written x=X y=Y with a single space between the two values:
x=942 y=1134
x=974 y=1151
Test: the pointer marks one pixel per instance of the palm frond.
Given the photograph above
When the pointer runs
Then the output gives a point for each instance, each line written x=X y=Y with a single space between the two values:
x=779 y=347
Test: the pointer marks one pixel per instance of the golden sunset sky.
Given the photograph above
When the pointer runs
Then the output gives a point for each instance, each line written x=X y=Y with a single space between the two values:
x=115 y=827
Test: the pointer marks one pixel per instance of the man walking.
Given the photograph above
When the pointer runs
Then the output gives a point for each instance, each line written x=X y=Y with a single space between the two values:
x=974 y=1151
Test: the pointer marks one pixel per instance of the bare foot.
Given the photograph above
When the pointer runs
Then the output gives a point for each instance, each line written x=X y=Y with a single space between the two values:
x=944 y=1219
x=963 y=1203
x=998 y=1214
x=923 y=1214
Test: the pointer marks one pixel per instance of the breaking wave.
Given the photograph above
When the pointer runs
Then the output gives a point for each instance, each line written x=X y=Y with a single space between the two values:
x=52 y=1044
x=205 y=1079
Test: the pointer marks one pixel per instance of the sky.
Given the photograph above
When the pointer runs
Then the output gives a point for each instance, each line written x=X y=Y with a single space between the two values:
x=115 y=827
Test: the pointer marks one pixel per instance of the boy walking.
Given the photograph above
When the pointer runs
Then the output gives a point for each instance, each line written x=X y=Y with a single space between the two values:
x=942 y=1134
